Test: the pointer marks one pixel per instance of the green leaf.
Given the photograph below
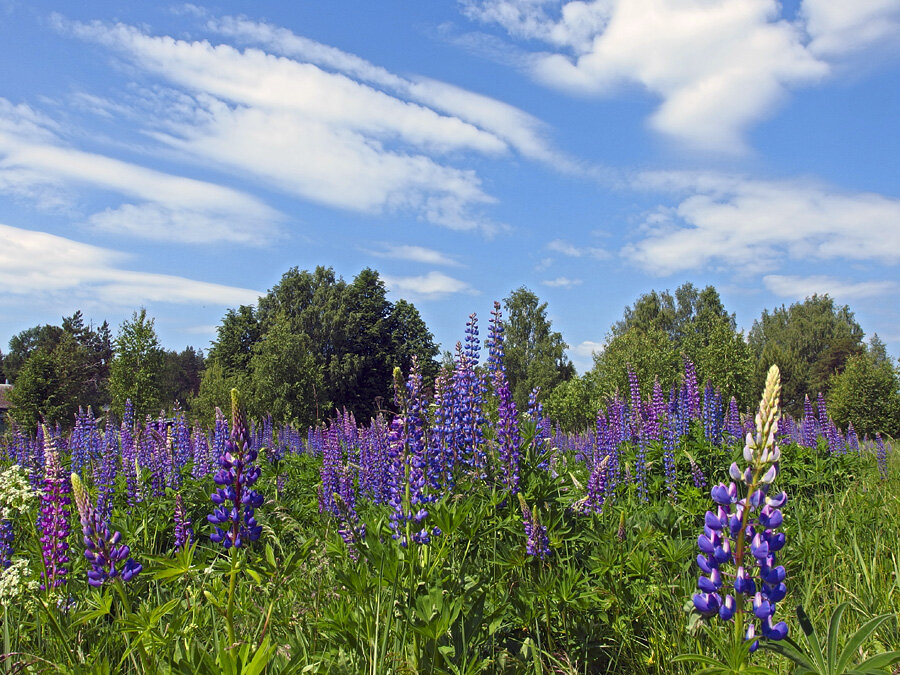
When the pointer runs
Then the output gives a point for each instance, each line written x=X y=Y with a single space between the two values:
x=855 y=642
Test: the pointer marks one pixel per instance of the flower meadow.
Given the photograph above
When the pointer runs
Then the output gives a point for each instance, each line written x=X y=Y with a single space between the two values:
x=455 y=533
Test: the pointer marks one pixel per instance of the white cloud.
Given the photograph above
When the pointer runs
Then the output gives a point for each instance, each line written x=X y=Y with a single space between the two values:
x=427 y=287
x=34 y=164
x=587 y=348
x=418 y=254
x=797 y=287
x=37 y=265
x=512 y=126
x=717 y=65
x=837 y=28
x=321 y=135
x=562 y=282
x=573 y=251
x=750 y=226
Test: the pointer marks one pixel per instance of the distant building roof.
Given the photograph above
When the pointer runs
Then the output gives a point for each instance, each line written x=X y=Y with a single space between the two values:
x=4 y=400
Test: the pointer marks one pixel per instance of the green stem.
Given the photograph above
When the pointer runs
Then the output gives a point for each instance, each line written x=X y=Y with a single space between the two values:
x=229 y=608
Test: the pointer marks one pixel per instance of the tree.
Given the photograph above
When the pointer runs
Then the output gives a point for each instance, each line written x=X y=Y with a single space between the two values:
x=535 y=354
x=810 y=341
x=353 y=337
x=23 y=344
x=136 y=368
x=867 y=393
x=573 y=404
x=48 y=385
x=180 y=375
x=660 y=328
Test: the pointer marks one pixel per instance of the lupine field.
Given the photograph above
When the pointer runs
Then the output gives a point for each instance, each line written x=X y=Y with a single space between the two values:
x=454 y=533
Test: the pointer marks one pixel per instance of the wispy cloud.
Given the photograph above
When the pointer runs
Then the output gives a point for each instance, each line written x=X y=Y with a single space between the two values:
x=562 y=282
x=38 y=265
x=360 y=138
x=718 y=67
x=752 y=226
x=797 y=287
x=34 y=163
x=412 y=253
x=573 y=251
x=430 y=286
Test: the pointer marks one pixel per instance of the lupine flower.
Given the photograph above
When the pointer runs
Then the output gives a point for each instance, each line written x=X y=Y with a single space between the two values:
x=508 y=437
x=54 y=519
x=691 y=390
x=184 y=533
x=881 y=456
x=235 y=499
x=596 y=486
x=537 y=545
x=733 y=429
x=6 y=543
x=746 y=537
x=852 y=438
x=102 y=549
x=669 y=442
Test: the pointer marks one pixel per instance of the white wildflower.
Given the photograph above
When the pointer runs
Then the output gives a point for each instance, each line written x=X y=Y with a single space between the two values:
x=15 y=492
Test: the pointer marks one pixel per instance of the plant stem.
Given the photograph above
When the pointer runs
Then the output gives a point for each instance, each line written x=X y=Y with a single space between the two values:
x=229 y=608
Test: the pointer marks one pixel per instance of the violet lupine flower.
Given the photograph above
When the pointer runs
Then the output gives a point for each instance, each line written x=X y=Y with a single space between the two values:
x=746 y=538
x=691 y=389
x=6 y=543
x=184 y=533
x=508 y=436
x=108 y=558
x=596 y=486
x=669 y=442
x=697 y=477
x=881 y=456
x=541 y=441
x=712 y=414
x=494 y=343
x=733 y=430
x=809 y=427
x=235 y=499
x=657 y=414
x=537 y=544
x=54 y=519
x=852 y=439
x=330 y=472
x=105 y=471
x=634 y=412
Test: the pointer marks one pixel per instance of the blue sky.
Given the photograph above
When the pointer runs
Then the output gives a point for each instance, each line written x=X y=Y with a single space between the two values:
x=182 y=157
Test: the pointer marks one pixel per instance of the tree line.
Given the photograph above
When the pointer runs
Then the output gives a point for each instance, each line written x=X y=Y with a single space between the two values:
x=316 y=343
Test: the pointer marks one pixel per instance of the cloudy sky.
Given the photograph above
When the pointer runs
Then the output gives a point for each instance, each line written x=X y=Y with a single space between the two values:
x=182 y=157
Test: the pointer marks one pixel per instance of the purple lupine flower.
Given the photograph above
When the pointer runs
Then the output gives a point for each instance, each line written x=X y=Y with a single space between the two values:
x=105 y=471
x=634 y=411
x=657 y=414
x=541 y=442
x=54 y=519
x=733 y=430
x=235 y=499
x=881 y=456
x=712 y=414
x=596 y=486
x=408 y=451
x=200 y=453
x=184 y=533
x=6 y=543
x=494 y=343
x=746 y=537
x=691 y=389
x=697 y=476
x=537 y=544
x=852 y=439
x=669 y=442
x=508 y=436
x=332 y=464
x=108 y=558
x=809 y=427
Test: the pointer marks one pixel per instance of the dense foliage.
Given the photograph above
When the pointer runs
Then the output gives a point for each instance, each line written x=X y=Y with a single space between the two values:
x=455 y=533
